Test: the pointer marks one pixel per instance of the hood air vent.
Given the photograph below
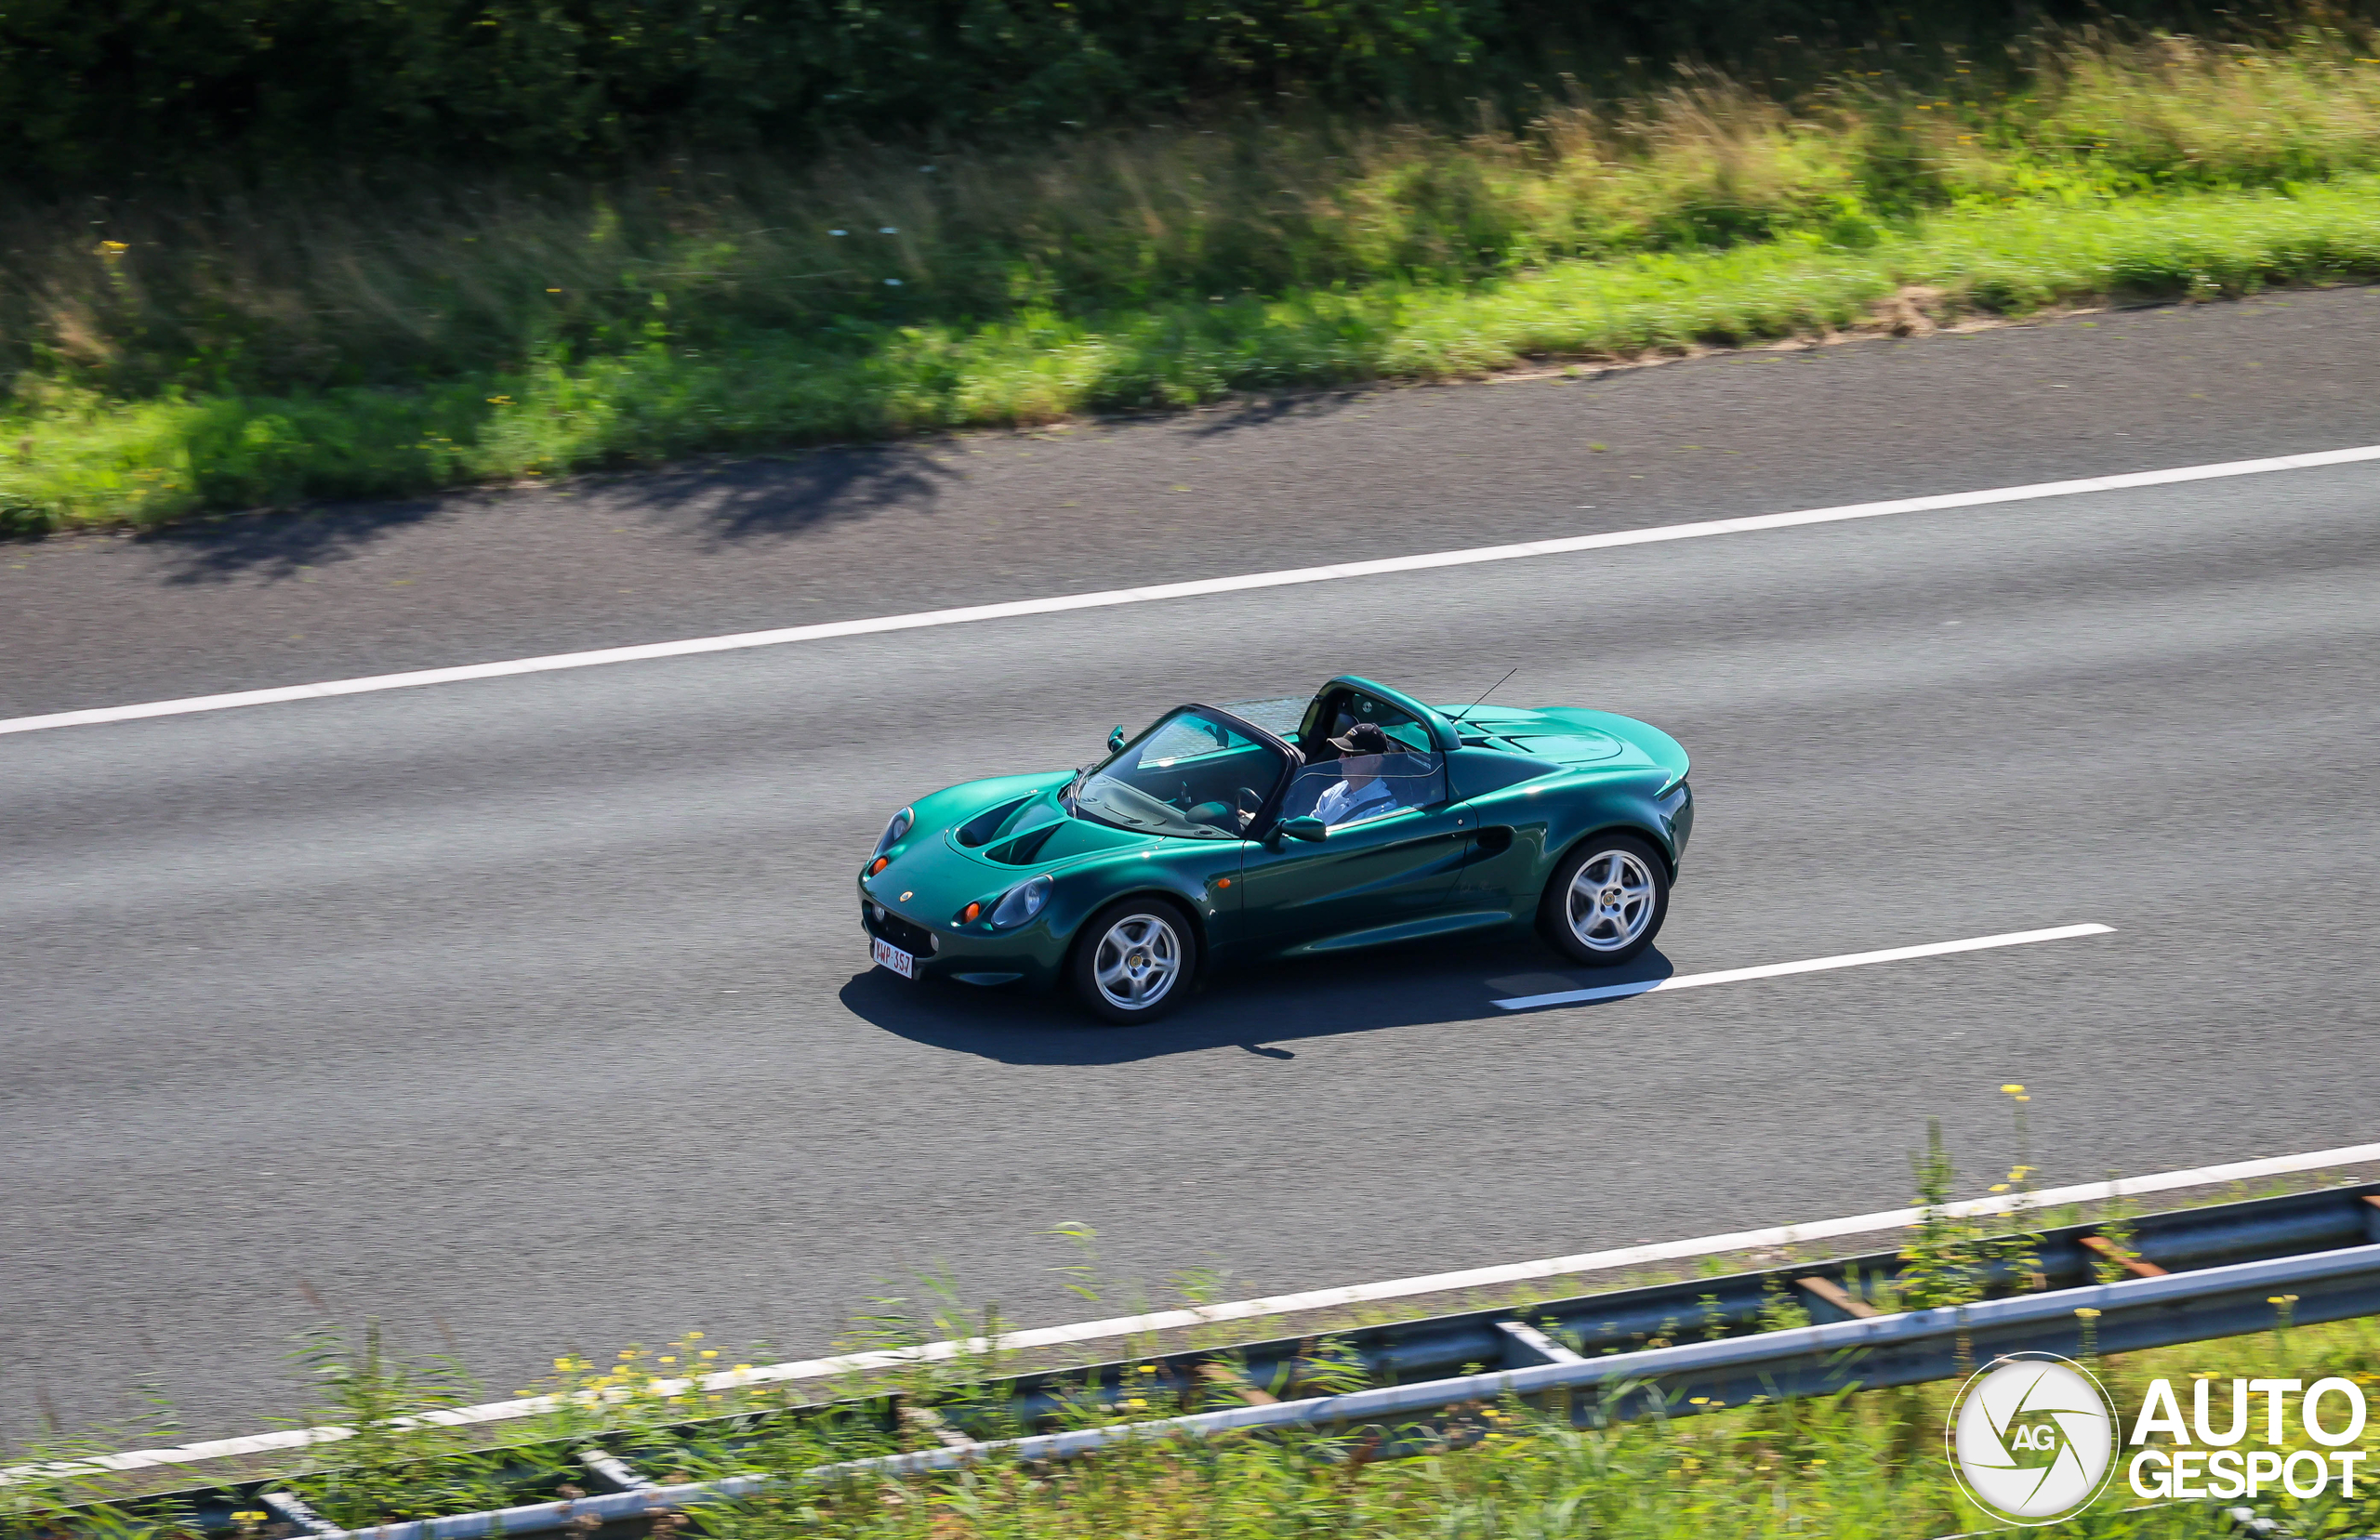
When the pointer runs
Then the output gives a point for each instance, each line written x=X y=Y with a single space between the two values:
x=989 y=824
x=1024 y=848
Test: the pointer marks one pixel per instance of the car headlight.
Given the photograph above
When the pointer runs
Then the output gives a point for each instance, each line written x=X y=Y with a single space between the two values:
x=895 y=831
x=1021 y=903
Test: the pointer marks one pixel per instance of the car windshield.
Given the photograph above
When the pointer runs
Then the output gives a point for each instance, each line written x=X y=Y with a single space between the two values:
x=1195 y=775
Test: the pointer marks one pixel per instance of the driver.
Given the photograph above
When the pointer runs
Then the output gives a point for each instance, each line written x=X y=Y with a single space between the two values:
x=1359 y=792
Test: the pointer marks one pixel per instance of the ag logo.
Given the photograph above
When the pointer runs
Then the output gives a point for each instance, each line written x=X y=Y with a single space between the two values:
x=2032 y=1438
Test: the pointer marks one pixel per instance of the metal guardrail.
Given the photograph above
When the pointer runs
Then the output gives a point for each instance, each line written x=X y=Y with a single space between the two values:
x=1864 y=1352
x=1604 y=1327
x=1735 y=1303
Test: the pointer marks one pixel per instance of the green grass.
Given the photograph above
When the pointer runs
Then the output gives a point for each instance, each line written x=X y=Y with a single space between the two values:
x=250 y=345
x=1863 y=1465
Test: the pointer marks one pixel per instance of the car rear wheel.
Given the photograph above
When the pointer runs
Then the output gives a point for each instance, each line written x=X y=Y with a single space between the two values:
x=1607 y=901
x=1135 y=961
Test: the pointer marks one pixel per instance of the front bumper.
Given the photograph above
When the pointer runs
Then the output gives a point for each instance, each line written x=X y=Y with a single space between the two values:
x=1029 y=955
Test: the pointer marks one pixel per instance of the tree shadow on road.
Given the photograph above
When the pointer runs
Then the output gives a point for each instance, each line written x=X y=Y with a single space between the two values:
x=282 y=545
x=729 y=504
x=1273 y=411
x=777 y=496
x=1253 y=1009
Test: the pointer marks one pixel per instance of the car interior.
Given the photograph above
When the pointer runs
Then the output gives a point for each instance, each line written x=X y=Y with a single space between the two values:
x=1413 y=770
x=1202 y=772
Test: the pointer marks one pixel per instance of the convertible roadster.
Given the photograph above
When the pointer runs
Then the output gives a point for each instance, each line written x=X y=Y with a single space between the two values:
x=1285 y=828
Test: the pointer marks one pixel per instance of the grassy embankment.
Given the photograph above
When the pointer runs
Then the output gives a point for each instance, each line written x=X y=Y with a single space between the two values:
x=168 y=356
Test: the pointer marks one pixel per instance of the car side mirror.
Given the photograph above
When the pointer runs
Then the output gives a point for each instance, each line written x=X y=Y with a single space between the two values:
x=1305 y=828
x=1116 y=739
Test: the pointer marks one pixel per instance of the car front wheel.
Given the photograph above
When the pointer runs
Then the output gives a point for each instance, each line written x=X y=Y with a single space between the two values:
x=1607 y=901
x=1135 y=962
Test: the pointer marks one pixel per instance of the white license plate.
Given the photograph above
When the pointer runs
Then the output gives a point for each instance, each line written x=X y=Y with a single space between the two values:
x=888 y=955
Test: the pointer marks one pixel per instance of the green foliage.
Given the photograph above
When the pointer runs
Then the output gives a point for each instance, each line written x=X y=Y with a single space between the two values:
x=262 y=345
x=313 y=284
x=378 y=1468
x=1857 y=1465
x=138 y=86
x=89 y=461
x=86 y=91
x=1952 y=1259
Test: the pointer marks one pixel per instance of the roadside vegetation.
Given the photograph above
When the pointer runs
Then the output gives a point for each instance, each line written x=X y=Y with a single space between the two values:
x=294 y=336
x=1860 y=1465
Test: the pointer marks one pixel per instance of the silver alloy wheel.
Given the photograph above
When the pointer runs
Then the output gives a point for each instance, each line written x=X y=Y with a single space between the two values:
x=1610 y=900
x=1137 y=962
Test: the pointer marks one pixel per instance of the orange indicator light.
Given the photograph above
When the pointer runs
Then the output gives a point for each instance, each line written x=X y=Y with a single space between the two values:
x=878 y=864
x=966 y=916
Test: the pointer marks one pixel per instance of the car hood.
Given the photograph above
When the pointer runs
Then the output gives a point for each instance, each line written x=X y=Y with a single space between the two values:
x=1573 y=735
x=1042 y=835
x=974 y=842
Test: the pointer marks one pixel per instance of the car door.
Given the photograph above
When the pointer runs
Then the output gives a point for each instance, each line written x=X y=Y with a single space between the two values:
x=1507 y=834
x=1380 y=876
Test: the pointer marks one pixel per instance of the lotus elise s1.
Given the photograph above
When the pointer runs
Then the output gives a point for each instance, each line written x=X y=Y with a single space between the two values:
x=1287 y=827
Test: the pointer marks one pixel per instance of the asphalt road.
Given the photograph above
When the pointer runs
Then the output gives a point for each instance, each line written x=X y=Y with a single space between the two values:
x=531 y=1015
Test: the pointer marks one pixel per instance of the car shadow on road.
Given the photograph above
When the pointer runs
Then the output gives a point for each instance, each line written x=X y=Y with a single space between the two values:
x=1253 y=1009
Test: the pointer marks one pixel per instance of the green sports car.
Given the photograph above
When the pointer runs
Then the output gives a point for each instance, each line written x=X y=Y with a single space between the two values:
x=1285 y=828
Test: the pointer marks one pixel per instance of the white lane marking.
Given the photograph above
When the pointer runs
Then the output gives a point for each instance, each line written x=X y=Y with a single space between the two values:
x=1813 y=965
x=1059 y=603
x=1286 y=1303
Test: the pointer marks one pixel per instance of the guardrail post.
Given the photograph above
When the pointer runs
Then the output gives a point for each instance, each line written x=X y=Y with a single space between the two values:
x=294 y=1511
x=2140 y=1268
x=1836 y=1298
x=1527 y=1345
x=618 y=1472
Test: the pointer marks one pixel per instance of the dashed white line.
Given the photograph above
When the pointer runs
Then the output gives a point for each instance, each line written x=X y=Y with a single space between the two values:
x=1060 y=603
x=1813 y=965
